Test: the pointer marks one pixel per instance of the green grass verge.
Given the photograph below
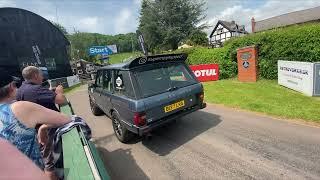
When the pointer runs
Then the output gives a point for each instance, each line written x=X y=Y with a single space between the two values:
x=118 y=58
x=265 y=96
x=73 y=88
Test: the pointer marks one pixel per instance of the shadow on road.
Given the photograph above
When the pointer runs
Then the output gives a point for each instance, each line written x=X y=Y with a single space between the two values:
x=172 y=136
x=120 y=164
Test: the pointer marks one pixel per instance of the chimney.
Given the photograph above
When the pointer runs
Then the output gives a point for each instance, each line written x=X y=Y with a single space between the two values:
x=253 y=24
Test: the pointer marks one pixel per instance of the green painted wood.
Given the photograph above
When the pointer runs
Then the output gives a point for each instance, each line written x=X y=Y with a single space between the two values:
x=99 y=163
x=67 y=109
x=76 y=165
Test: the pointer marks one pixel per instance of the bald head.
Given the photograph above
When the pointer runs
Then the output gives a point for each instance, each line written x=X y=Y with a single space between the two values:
x=32 y=74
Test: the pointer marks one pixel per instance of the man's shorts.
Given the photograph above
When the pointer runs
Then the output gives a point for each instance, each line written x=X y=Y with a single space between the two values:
x=47 y=152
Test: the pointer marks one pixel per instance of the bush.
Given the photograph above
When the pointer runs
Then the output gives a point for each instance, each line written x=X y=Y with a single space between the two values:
x=294 y=43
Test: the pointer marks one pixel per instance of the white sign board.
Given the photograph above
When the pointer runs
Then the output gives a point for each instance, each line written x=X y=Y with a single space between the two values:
x=73 y=80
x=297 y=76
x=113 y=48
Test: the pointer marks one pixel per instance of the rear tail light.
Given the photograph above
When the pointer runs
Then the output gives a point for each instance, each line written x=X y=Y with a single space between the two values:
x=140 y=119
x=201 y=96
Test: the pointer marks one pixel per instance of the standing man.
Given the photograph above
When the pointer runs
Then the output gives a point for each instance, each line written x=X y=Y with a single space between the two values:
x=31 y=90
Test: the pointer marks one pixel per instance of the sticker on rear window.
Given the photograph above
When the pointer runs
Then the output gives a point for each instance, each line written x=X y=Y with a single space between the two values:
x=119 y=82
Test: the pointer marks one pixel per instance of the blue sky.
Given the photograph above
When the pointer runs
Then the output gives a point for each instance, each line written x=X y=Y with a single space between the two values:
x=121 y=16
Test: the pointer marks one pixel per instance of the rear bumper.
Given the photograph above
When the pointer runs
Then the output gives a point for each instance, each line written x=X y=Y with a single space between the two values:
x=147 y=129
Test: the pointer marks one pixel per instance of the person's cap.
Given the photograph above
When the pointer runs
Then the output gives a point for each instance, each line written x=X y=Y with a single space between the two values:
x=5 y=78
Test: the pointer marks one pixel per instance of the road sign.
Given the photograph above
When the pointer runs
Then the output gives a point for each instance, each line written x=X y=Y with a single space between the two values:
x=95 y=50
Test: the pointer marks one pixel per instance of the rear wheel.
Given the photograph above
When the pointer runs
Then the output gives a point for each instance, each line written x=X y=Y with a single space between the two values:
x=122 y=133
x=94 y=108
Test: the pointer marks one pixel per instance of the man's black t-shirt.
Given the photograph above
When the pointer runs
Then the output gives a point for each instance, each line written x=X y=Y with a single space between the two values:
x=37 y=94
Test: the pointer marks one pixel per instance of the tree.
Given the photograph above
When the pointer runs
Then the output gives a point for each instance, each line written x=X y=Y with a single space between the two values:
x=60 y=27
x=198 y=37
x=81 y=41
x=165 y=23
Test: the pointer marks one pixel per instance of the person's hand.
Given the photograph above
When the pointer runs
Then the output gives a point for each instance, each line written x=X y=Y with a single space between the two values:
x=59 y=89
x=43 y=134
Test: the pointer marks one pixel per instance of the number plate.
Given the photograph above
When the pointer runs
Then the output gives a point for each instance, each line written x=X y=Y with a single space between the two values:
x=174 y=106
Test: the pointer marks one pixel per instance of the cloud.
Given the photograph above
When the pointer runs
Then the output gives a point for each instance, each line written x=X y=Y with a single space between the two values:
x=124 y=21
x=242 y=14
x=7 y=3
x=137 y=2
x=88 y=24
x=88 y=21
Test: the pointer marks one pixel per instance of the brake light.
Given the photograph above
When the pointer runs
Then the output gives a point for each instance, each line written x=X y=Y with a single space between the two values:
x=140 y=119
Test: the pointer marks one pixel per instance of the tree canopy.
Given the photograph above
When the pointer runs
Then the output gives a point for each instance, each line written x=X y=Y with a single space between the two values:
x=81 y=41
x=60 y=27
x=165 y=23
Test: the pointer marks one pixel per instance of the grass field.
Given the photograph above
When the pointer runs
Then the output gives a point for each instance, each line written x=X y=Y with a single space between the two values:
x=118 y=58
x=265 y=96
x=71 y=89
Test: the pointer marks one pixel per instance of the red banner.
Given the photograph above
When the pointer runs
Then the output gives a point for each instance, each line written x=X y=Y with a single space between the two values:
x=206 y=72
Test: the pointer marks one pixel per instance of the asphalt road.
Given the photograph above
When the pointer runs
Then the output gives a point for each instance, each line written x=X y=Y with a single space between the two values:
x=215 y=143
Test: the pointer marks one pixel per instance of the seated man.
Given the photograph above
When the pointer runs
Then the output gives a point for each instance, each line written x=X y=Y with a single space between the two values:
x=32 y=91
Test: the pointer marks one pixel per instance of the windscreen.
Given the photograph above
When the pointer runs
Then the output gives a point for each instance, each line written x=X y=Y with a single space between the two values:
x=163 y=78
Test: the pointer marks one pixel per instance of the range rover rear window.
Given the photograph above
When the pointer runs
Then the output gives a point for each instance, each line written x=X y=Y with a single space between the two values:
x=160 y=79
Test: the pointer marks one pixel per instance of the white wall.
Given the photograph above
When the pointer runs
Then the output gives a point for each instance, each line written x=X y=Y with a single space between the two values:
x=225 y=33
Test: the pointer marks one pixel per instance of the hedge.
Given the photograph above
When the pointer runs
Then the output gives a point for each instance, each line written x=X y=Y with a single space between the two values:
x=294 y=43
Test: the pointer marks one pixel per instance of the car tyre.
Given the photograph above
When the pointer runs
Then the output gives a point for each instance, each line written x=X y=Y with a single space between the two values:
x=121 y=132
x=94 y=108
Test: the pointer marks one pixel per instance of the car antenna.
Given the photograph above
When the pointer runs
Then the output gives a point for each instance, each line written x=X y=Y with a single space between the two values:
x=142 y=43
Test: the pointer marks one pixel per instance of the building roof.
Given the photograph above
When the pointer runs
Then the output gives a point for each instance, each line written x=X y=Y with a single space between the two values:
x=24 y=34
x=231 y=26
x=296 y=17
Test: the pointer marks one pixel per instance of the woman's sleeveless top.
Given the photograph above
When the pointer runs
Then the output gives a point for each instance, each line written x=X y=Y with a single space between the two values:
x=19 y=135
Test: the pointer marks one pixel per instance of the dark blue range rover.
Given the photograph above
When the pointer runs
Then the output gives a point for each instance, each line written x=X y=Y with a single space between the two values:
x=145 y=93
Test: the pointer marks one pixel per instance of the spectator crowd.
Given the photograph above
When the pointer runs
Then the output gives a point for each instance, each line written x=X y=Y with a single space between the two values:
x=29 y=118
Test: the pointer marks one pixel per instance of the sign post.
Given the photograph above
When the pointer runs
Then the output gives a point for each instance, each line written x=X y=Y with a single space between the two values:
x=247 y=64
x=104 y=51
x=142 y=43
x=95 y=50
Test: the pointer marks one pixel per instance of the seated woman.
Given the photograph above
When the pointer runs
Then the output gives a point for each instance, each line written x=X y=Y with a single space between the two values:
x=18 y=120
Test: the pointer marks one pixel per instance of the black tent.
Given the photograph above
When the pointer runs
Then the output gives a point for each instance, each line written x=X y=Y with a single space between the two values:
x=28 y=39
